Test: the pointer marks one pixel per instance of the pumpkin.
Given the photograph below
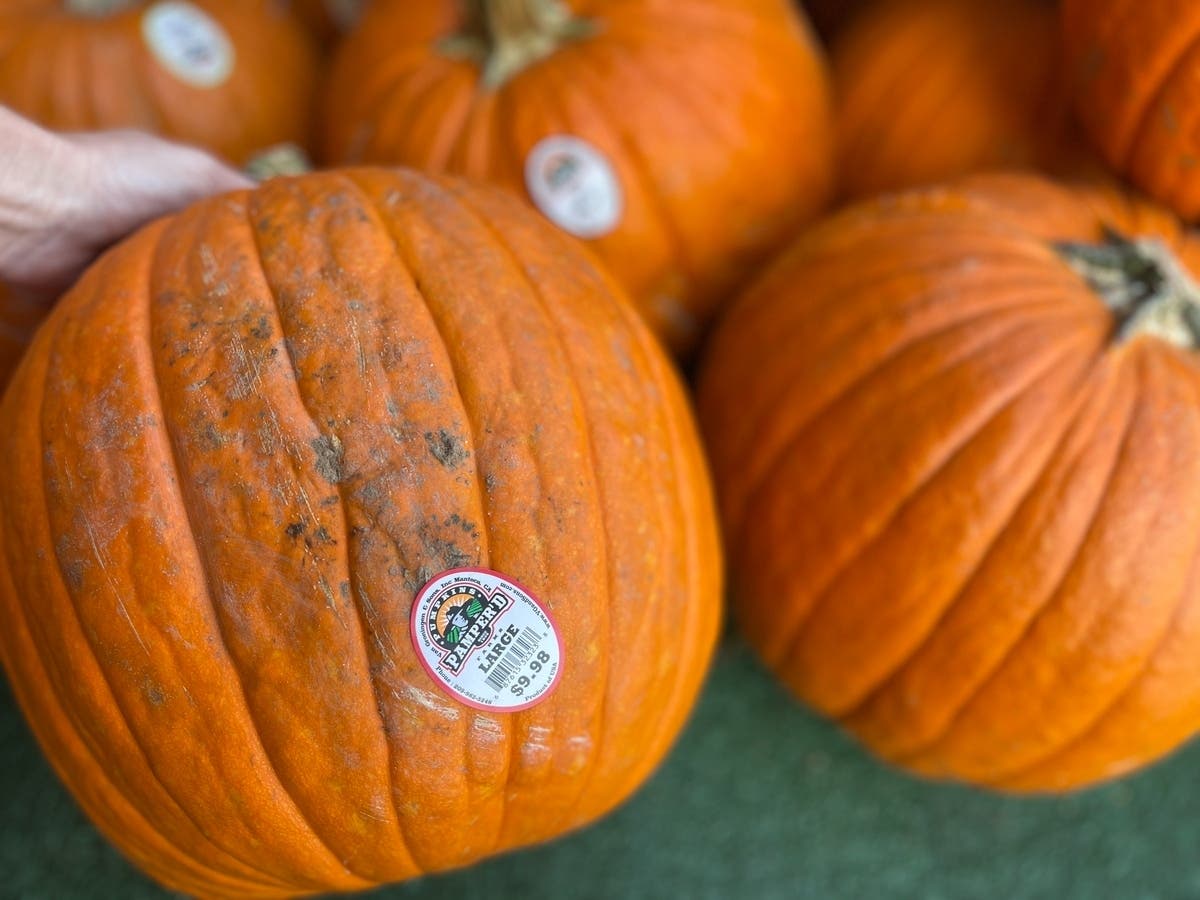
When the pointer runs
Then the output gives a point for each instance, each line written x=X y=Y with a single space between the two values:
x=956 y=439
x=829 y=17
x=229 y=75
x=239 y=447
x=1134 y=73
x=684 y=141
x=933 y=89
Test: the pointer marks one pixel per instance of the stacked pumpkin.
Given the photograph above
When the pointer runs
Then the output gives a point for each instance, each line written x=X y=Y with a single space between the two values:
x=260 y=546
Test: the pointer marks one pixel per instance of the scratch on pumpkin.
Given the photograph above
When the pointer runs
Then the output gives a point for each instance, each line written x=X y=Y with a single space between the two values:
x=102 y=559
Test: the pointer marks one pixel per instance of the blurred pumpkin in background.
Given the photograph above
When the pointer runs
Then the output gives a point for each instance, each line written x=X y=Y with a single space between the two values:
x=20 y=316
x=932 y=89
x=956 y=438
x=1135 y=72
x=329 y=19
x=234 y=76
x=683 y=139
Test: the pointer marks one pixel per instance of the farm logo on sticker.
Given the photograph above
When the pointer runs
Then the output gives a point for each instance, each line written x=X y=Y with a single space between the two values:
x=486 y=640
x=574 y=186
x=189 y=43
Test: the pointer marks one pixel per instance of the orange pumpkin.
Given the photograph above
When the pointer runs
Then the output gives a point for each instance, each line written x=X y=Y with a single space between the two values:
x=684 y=140
x=931 y=89
x=230 y=75
x=237 y=449
x=1136 y=77
x=956 y=438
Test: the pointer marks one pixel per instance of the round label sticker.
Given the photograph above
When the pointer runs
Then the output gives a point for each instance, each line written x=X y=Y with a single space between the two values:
x=574 y=186
x=486 y=640
x=189 y=43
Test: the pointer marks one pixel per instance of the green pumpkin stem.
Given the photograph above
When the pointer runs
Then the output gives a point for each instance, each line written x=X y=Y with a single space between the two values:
x=506 y=36
x=1145 y=286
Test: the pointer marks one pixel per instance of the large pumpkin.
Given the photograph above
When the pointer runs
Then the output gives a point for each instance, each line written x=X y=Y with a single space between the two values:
x=235 y=76
x=683 y=139
x=956 y=436
x=931 y=89
x=1135 y=67
x=238 y=449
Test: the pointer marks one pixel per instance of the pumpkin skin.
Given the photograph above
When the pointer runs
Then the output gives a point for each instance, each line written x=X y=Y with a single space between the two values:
x=310 y=399
x=75 y=70
x=1134 y=76
x=961 y=518
x=713 y=114
x=934 y=89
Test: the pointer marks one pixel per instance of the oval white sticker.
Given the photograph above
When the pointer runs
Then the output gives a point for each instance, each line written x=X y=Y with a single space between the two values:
x=189 y=43
x=574 y=185
x=486 y=640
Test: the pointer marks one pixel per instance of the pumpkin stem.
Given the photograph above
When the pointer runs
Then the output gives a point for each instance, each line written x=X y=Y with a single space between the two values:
x=282 y=159
x=97 y=9
x=506 y=36
x=1144 y=285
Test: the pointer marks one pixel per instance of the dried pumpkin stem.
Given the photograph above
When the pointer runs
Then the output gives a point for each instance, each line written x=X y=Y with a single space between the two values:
x=97 y=9
x=1145 y=286
x=506 y=36
x=280 y=160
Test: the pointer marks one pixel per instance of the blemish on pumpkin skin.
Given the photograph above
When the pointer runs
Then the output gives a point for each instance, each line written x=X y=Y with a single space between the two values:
x=295 y=530
x=330 y=458
x=155 y=694
x=446 y=448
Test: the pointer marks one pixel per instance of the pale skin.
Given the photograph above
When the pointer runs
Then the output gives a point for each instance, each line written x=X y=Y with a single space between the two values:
x=64 y=198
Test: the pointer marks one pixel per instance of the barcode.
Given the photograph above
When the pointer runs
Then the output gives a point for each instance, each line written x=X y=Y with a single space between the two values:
x=510 y=663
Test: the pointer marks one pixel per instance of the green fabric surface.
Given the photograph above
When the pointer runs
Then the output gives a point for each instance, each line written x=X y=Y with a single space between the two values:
x=759 y=800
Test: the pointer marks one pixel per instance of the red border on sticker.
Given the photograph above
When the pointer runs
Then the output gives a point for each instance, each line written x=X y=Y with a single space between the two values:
x=414 y=637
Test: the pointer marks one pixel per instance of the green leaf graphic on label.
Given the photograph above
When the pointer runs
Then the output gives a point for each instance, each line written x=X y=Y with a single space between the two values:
x=454 y=635
x=474 y=608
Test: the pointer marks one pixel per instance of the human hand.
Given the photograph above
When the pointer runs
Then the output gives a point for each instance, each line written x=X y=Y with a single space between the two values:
x=64 y=198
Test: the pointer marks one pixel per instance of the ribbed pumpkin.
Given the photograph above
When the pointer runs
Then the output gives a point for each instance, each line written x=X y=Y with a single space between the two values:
x=235 y=76
x=683 y=139
x=956 y=437
x=237 y=449
x=932 y=89
x=1135 y=67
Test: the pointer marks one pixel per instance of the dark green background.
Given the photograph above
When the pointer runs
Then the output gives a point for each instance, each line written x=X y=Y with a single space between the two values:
x=759 y=800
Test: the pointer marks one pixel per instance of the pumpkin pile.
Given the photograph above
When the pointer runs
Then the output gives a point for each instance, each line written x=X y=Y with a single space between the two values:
x=377 y=537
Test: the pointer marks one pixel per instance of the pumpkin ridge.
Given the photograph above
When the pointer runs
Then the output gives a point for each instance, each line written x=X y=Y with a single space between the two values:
x=508 y=723
x=1048 y=761
x=638 y=167
x=930 y=746
x=172 y=453
x=1069 y=421
x=154 y=240
x=754 y=492
x=450 y=127
x=99 y=766
x=535 y=292
x=861 y=155
x=667 y=385
x=111 y=692
x=855 y=383
x=1057 y=484
x=1124 y=690
x=1125 y=156
x=392 y=78
x=365 y=626
x=1004 y=402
